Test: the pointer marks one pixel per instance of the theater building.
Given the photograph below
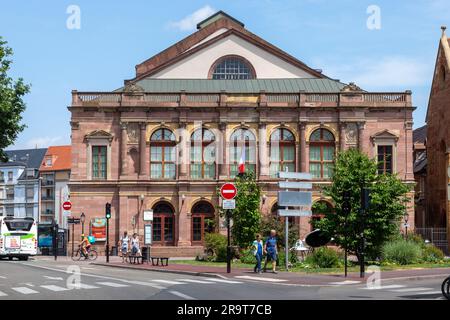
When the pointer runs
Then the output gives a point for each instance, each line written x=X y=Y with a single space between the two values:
x=173 y=134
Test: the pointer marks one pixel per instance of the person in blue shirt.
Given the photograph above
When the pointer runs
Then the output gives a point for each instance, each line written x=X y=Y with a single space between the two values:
x=258 y=253
x=271 y=250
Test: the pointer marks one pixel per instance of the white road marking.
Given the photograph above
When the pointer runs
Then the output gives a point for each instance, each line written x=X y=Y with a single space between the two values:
x=86 y=286
x=195 y=281
x=261 y=279
x=412 y=289
x=393 y=286
x=169 y=282
x=53 y=278
x=181 y=295
x=224 y=281
x=24 y=290
x=2 y=294
x=54 y=288
x=345 y=282
x=112 y=284
x=430 y=292
x=148 y=284
x=2 y=277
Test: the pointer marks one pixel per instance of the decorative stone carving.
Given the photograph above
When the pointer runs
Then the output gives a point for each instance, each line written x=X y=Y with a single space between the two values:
x=351 y=133
x=133 y=133
x=351 y=87
x=133 y=88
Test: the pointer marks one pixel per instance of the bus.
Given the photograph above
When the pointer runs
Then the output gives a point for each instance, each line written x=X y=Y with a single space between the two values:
x=18 y=238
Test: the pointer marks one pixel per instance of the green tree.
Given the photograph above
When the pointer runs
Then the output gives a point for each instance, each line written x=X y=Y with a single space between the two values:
x=11 y=104
x=352 y=170
x=247 y=216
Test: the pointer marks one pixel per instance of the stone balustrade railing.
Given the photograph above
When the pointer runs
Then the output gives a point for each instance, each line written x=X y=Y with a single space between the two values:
x=263 y=99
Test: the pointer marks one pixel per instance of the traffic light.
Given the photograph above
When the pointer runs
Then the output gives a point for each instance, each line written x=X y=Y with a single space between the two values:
x=346 y=204
x=108 y=210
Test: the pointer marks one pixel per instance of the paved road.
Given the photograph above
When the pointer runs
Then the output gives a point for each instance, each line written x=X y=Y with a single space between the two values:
x=47 y=279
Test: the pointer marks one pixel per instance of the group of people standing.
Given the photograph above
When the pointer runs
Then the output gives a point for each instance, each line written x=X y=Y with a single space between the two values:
x=269 y=248
x=129 y=245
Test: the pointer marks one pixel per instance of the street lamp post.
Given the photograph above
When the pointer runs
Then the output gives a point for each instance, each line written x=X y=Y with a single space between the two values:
x=82 y=219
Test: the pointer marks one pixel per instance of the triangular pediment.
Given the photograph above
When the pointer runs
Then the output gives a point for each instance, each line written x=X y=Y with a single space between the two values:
x=385 y=134
x=99 y=134
x=221 y=35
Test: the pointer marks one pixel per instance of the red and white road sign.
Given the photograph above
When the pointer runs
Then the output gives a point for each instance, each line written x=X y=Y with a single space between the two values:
x=67 y=205
x=228 y=191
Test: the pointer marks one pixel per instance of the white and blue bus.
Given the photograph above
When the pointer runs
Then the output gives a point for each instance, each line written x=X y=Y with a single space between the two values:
x=18 y=238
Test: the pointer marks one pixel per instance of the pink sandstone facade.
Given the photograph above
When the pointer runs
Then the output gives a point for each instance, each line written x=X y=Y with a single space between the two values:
x=117 y=146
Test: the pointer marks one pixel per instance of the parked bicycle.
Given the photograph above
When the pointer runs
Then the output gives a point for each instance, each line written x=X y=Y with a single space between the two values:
x=446 y=288
x=91 y=255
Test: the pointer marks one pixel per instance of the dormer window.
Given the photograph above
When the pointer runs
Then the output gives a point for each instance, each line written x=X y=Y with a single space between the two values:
x=232 y=68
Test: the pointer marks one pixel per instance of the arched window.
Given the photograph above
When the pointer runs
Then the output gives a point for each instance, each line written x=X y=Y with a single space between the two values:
x=282 y=151
x=321 y=153
x=242 y=143
x=203 y=154
x=162 y=154
x=202 y=221
x=163 y=224
x=232 y=68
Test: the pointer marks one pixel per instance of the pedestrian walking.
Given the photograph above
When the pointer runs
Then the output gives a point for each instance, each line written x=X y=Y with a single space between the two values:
x=258 y=253
x=124 y=245
x=271 y=250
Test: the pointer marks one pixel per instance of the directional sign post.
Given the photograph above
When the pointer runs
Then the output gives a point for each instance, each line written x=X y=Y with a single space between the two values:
x=228 y=192
x=300 y=200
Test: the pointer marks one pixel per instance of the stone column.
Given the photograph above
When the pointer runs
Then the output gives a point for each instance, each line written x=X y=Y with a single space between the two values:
x=302 y=150
x=142 y=150
x=342 y=136
x=361 y=136
x=123 y=149
x=263 y=155
x=183 y=152
x=223 y=162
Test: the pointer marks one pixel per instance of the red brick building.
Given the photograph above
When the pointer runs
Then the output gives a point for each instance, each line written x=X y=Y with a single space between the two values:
x=438 y=141
x=174 y=133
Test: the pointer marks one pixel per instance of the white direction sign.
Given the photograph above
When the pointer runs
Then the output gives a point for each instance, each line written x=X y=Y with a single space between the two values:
x=294 y=198
x=294 y=213
x=294 y=185
x=295 y=175
x=228 y=204
x=148 y=215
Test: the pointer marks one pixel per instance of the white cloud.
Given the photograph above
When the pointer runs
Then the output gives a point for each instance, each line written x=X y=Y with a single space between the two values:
x=386 y=73
x=189 y=22
x=42 y=142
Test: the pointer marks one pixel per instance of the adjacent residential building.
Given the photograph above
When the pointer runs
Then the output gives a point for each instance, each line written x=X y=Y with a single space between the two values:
x=420 y=174
x=438 y=141
x=20 y=183
x=55 y=175
x=177 y=131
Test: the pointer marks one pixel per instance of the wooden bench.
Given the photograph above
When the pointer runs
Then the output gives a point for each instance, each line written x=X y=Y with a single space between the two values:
x=134 y=259
x=164 y=261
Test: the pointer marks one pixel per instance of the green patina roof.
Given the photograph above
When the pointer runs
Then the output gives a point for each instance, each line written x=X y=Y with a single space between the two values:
x=241 y=86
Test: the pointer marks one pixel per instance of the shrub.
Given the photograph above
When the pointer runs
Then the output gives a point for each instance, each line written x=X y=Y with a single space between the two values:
x=323 y=258
x=216 y=246
x=430 y=253
x=401 y=252
x=293 y=259
x=247 y=256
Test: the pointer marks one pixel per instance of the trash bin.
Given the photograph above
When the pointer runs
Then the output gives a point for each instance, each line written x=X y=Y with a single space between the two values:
x=113 y=251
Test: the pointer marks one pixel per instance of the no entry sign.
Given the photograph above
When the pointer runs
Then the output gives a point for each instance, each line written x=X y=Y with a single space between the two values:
x=67 y=205
x=228 y=191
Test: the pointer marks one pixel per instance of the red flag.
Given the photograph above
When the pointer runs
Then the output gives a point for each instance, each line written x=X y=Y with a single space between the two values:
x=242 y=161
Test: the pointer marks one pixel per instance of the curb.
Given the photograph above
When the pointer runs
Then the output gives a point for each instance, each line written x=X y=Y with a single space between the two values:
x=191 y=273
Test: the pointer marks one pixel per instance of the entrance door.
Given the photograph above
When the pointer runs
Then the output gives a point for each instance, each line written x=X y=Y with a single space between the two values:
x=202 y=221
x=163 y=224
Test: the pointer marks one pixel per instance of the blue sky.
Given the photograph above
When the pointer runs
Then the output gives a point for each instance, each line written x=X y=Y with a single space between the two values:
x=116 y=35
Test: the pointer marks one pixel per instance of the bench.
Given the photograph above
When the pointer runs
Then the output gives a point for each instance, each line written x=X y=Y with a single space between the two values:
x=134 y=259
x=164 y=261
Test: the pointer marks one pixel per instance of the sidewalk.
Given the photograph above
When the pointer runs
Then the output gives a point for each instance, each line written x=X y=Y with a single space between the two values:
x=289 y=278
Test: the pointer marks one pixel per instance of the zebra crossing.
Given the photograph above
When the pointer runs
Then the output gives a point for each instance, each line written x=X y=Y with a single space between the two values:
x=27 y=289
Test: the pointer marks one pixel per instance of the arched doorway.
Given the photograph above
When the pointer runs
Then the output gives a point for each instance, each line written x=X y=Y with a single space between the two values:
x=202 y=221
x=163 y=224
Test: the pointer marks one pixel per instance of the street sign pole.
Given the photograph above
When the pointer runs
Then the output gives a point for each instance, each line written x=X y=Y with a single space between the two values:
x=228 y=242
x=73 y=238
x=107 y=240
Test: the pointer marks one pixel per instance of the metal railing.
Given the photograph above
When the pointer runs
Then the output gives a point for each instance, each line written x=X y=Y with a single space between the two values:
x=437 y=236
